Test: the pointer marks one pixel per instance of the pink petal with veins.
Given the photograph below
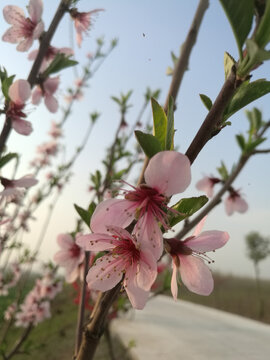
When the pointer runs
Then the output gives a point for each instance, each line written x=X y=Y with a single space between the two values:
x=196 y=275
x=22 y=127
x=168 y=172
x=208 y=241
x=35 y=10
x=113 y=212
x=19 y=91
x=13 y=14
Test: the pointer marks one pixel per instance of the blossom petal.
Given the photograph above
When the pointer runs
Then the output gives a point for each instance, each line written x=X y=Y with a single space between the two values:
x=199 y=226
x=149 y=235
x=240 y=205
x=147 y=271
x=11 y=36
x=196 y=275
x=35 y=9
x=169 y=172
x=19 y=91
x=22 y=127
x=72 y=275
x=111 y=212
x=137 y=296
x=208 y=241
x=105 y=273
x=174 y=286
x=96 y=242
x=206 y=185
x=51 y=103
x=38 y=30
x=13 y=15
x=36 y=95
x=25 y=44
x=229 y=206
x=51 y=85
x=65 y=241
x=25 y=181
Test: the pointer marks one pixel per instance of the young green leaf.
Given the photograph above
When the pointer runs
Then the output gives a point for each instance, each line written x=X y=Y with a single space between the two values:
x=187 y=207
x=229 y=62
x=223 y=171
x=86 y=215
x=6 y=84
x=262 y=36
x=206 y=101
x=160 y=123
x=149 y=143
x=5 y=159
x=240 y=15
x=241 y=141
x=170 y=126
x=246 y=93
x=60 y=62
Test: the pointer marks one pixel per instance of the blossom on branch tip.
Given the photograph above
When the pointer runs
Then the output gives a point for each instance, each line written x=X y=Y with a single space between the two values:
x=12 y=185
x=19 y=92
x=47 y=90
x=168 y=173
x=82 y=22
x=70 y=256
x=23 y=30
x=235 y=202
x=125 y=261
x=206 y=184
x=188 y=257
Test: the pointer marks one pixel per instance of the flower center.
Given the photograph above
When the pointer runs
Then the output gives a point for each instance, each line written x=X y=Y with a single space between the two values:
x=149 y=200
x=127 y=250
x=75 y=251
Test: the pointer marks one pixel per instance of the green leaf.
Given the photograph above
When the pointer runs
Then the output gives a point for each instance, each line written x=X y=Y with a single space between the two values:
x=5 y=159
x=160 y=123
x=187 y=207
x=250 y=147
x=206 y=101
x=86 y=215
x=149 y=143
x=240 y=15
x=6 y=84
x=223 y=171
x=229 y=62
x=246 y=93
x=60 y=62
x=241 y=141
x=170 y=126
x=262 y=36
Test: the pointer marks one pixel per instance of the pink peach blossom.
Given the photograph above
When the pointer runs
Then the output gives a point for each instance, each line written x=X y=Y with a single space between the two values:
x=12 y=185
x=70 y=256
x=125 y=261
x=23 y=30
x=82 y=22
x=168 y=173
x=206 y=184
x=235 y=202
x=19 y=92
x=55 y=130
x=188 y=257
x=46 y=90
x=50 y=55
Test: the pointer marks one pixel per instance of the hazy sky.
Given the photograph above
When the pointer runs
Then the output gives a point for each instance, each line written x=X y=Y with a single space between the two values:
x=148 y=31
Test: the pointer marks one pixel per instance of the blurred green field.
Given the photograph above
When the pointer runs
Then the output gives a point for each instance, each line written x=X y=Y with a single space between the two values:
x=54 y=338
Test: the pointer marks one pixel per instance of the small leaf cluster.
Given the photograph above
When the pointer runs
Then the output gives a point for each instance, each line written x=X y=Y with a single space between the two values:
x=163 y=130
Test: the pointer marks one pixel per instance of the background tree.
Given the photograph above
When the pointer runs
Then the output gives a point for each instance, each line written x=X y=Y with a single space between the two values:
x=258 y=248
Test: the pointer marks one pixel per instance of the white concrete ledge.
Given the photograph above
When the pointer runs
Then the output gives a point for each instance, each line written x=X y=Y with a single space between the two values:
x=168 y=330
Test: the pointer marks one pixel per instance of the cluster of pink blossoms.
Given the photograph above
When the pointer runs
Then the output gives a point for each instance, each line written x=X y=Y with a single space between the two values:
x=36 y=306
x=132 y=258
x=234 y=201
x=14 y=277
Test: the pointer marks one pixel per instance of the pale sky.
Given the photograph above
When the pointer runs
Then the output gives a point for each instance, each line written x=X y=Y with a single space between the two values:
x=148 y=31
